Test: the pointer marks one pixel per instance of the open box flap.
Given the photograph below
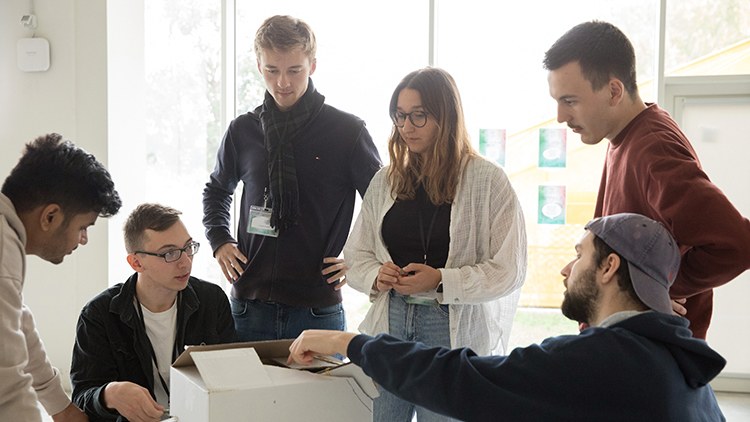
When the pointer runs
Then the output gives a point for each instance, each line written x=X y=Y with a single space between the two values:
x=229 y=369
x=265 y=350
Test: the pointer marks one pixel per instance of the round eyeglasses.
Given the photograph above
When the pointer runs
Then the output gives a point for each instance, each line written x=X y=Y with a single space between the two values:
x=417 y=118
x=174 y=254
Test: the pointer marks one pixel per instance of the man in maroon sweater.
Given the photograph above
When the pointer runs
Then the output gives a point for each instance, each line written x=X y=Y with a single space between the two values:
x=650 y=167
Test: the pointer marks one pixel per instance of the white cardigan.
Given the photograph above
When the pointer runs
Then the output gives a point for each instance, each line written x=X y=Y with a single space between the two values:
x=486 y=264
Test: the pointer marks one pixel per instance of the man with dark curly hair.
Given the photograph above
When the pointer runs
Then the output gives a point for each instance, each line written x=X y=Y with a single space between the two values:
x=50 y=199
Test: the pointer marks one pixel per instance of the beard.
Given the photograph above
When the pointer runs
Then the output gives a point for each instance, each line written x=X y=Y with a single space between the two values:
x=579 y=303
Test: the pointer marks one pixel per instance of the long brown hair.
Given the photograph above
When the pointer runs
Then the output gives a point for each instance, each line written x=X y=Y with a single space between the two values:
x=439 y=169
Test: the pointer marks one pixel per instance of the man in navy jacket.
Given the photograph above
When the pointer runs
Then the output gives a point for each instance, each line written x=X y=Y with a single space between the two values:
x=637 y=361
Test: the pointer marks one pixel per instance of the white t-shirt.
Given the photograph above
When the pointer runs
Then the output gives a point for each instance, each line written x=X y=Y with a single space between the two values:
x=161 y=328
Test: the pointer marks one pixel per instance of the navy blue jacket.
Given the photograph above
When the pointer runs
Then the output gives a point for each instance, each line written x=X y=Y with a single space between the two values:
x=111 y=341
x=645 y=368
x=334 y=158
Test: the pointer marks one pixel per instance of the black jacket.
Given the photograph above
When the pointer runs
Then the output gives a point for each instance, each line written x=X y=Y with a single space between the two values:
x=334 y=158
x=645 y=368
x=110 y=339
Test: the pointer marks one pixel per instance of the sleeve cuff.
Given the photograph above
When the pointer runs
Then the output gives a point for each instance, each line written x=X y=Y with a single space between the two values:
x=449 y=284
x=354 y=350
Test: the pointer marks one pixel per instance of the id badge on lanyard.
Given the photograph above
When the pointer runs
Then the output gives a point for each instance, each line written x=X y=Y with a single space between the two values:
x=259 y=222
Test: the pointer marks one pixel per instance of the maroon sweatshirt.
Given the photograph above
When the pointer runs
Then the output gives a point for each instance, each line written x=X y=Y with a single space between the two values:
x=652 y=169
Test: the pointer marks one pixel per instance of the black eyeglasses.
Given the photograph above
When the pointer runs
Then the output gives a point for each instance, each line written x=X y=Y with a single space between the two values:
x=417 y=118
x=173 y=255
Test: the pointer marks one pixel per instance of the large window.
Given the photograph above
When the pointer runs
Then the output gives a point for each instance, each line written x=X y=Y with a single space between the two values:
x=183 y=124
x=363 y=52
x=493 y=50
x=358 y=65
x=705 y=37
x=497 y=62
x=361 y=57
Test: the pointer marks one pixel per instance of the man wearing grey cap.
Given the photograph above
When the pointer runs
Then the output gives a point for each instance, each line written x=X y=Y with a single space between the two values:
x=637 y=360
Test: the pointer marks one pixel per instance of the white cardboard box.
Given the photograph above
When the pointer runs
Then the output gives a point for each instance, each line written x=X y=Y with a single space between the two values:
x=241 y=382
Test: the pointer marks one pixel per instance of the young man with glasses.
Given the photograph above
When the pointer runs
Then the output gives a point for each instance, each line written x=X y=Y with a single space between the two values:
x=129 y=335
x=300 y=162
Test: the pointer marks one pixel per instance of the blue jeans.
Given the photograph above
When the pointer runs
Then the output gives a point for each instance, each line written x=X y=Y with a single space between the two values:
x=257 y=320
x=428 y=324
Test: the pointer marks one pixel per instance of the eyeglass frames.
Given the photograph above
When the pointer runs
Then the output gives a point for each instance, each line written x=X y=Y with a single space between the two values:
x=417 y=118
x=174 y=254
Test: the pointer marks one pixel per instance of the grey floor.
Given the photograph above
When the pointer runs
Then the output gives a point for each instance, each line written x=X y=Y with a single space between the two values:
x=736 y=407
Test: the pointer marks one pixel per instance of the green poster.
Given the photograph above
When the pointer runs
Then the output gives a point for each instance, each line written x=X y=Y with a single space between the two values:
x=551 y=205
x=552 y=147
x=492 y=145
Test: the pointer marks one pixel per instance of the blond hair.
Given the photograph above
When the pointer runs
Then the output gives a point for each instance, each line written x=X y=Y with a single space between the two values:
x=284 y=33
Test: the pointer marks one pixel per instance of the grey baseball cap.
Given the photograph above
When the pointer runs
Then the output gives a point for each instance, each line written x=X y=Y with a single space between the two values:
x=652 y=254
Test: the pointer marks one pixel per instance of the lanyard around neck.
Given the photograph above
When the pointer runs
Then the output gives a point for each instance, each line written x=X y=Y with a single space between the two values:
x=175 y=349
x=425 y=244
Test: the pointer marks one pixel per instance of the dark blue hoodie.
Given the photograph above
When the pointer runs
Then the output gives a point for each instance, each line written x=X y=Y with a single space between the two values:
x=645 y=368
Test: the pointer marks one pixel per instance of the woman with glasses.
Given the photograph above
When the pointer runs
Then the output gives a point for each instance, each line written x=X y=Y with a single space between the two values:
x=128 y=336
x=440 y=242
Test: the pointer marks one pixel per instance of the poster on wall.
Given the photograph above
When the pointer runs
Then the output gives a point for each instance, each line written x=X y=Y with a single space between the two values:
x=552 y=147
x=492 y=145
x=551 y=205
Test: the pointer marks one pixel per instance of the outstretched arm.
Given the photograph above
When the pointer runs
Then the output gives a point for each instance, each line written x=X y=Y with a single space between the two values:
x=318 y=342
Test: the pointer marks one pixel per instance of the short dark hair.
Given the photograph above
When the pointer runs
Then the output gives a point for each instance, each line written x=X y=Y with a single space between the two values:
x=55 y=171
x=602 y=51
x=147 y=217
x=601 y=252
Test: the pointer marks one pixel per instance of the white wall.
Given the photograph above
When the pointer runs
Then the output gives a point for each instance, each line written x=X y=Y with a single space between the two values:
x=716 y=127
x=71 y=99
x=712 y=111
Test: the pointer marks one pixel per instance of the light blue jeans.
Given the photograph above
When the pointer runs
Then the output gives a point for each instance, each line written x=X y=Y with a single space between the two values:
x=257 y=320
x=428 y=324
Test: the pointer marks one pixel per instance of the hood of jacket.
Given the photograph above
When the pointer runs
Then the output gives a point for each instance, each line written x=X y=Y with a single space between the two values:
x=698 y=362
x=8 y=211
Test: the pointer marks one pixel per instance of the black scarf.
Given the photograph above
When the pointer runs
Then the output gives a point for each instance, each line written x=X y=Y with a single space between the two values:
x=281 y=129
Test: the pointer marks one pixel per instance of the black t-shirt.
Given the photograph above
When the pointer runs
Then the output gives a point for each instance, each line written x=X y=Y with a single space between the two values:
x=401 y=231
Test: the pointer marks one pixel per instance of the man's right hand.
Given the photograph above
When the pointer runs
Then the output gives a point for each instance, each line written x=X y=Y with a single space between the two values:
x=132 y=401
x=318 y=342
x=231 y=261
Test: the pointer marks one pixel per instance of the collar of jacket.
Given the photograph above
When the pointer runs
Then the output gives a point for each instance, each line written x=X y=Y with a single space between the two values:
x=122 y=305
